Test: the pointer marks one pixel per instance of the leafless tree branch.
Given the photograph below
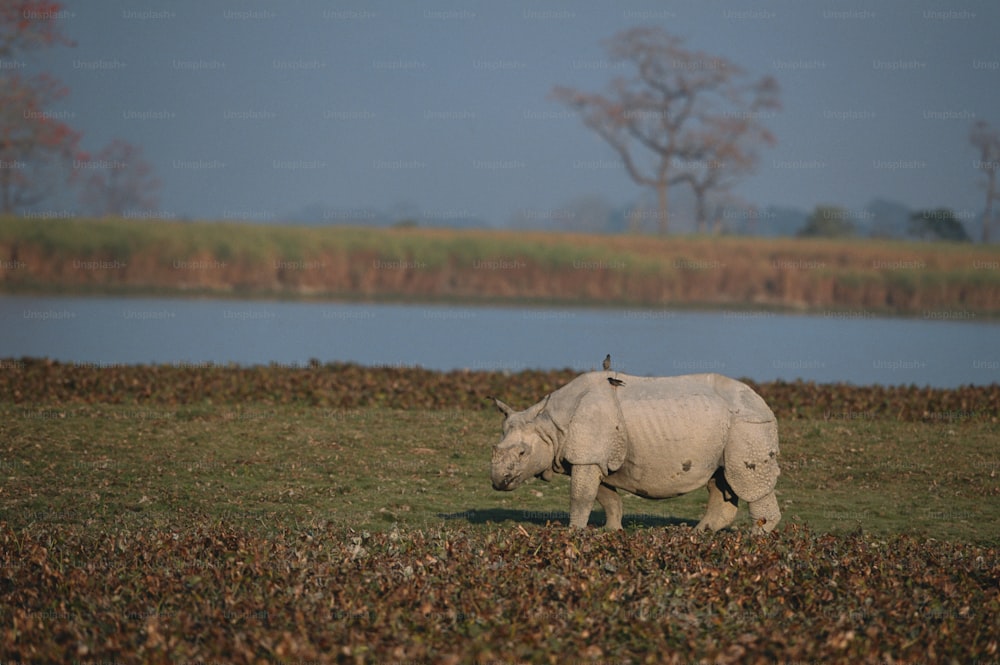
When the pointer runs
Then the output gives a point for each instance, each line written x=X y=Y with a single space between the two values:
x=689 y=110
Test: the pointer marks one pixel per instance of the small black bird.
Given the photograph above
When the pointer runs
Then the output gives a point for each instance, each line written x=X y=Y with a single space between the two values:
x=607 y=362
x=615 y=382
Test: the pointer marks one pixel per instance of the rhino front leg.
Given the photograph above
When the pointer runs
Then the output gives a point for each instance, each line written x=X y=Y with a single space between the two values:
x=611 y=501
x=584 y=484
x=764 y=513
x=722 y=504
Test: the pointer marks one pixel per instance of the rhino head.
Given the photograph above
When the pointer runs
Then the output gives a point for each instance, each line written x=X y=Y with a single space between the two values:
x=526 y=447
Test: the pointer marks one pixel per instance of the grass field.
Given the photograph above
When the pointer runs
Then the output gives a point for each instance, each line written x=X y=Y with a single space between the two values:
x=250 y=531
x=103 y=466
x=867 y=277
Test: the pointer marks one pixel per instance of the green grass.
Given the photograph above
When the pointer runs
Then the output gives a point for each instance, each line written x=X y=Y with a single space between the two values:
x=100 y=467
x=180 y=240
x=228 y=241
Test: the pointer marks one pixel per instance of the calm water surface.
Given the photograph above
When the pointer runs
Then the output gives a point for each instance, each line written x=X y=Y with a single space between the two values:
x=756 y=345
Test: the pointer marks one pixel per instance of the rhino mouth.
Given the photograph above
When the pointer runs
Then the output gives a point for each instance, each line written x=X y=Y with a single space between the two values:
x=507 y=483
x=514 y=480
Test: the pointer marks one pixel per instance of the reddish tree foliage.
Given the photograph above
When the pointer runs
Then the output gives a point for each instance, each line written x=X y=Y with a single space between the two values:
x=28 y=24
x=117 y=181
x=34 y=142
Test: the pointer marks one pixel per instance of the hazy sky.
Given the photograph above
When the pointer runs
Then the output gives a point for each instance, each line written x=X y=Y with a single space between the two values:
x=257 y=109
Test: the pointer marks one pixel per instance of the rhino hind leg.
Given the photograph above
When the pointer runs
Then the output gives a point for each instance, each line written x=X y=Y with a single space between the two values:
x=611 y=501
x=722 y=504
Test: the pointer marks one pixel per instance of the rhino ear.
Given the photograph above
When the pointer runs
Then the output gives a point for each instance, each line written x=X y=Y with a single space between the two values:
x=503 y=408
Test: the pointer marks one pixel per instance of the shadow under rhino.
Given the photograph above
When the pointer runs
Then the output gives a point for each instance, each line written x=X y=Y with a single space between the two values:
x=541 y=518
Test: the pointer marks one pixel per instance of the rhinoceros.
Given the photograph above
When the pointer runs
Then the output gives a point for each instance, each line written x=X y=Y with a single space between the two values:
x=655 y=437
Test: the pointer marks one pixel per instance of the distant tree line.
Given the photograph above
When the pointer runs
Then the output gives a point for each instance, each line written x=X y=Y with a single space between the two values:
x=882 y=219
x=835 y=222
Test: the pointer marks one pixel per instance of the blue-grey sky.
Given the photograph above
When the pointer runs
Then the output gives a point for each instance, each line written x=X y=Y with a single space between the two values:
x=440 y=109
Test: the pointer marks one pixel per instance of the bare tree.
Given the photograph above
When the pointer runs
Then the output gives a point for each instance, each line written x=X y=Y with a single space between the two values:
x=730 y=146
x=689 y=111
x=118 y=182
x=986 y=140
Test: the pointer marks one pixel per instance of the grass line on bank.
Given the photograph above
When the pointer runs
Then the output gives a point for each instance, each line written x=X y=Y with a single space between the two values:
x=121 y=256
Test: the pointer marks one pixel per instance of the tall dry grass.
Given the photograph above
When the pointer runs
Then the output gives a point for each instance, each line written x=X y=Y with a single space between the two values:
x=927 y=279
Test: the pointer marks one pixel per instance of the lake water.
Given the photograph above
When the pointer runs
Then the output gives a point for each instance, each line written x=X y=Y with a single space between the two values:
x=757 y=345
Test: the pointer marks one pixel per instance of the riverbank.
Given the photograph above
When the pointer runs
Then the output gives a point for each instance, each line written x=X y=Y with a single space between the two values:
x=142 y=257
